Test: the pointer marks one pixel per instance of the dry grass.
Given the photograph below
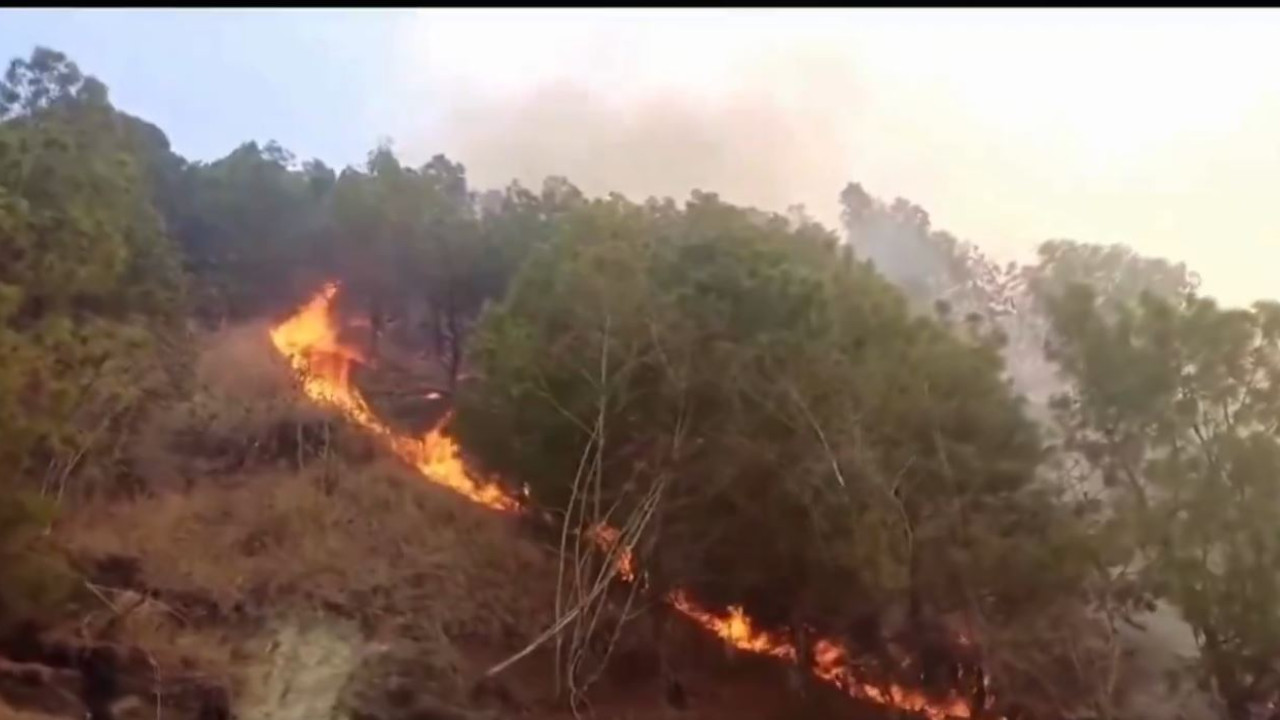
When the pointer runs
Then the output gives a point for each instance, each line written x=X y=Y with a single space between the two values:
x=421 y=569
x=256 y=506
x=243 y=523
x=245 y=412
x=382 y=546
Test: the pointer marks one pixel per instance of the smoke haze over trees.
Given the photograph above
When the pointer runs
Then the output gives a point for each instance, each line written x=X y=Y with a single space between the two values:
x=869 y=431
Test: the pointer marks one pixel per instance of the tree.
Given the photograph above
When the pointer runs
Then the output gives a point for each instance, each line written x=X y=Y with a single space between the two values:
x=247 y=224
x=1177 y=404
x=37 y=581
x=824 y=455
x=91 y=297
x=49 y=80
x=452 y=254
x=425 y=252
x=1117 y=274
x=929 y=265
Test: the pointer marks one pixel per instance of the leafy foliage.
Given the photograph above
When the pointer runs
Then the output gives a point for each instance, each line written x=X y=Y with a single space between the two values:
x=1117 y=275
x=36 y=580
x=245 y=224
x=90 y=292
x=826 y=455
x=1179 y=406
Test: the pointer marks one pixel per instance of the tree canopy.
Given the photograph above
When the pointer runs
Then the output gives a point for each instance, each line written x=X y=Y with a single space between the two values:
x=90 y=289
x=825 y=456
x=1177 y=405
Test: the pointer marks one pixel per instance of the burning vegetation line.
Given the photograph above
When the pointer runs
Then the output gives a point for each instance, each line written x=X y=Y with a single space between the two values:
x=309 y=340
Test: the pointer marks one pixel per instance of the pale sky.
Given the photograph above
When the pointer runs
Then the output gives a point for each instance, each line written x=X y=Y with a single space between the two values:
x=1159 y=129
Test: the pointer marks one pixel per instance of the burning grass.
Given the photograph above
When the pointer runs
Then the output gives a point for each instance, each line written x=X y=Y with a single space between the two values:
x=309 y=340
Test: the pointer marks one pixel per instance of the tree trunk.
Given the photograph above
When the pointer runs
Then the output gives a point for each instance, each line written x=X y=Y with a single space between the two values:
x=437 y=333
x=1233 y=694
x=673 y=689
x=376 y=319
x=455 y=350
x=801 y=673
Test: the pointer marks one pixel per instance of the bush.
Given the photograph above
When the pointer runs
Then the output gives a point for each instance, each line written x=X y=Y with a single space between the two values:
x=91 y=295
x=35 y=583
x=824 y=453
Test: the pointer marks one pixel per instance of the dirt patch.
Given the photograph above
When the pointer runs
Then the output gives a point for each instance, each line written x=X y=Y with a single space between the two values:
x=300 y=671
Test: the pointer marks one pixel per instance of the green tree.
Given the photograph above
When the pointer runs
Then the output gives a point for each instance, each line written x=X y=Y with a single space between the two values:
x=91 y=296
x=249 y=226
x=1117 y=274
x=389 y=235
x=423 y=252
x=824 y=455
x=1176 y=404
x=37 y=582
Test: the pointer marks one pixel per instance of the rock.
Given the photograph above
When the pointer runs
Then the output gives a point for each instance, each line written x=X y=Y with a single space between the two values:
x=303 y=672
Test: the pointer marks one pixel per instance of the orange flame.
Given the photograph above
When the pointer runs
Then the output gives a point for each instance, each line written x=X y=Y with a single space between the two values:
x=830 y=661
x=609 y=540
x=309 y=339
x=310 y=342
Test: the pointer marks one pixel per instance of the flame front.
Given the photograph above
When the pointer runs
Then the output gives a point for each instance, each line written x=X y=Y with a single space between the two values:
x=830 y=661
x=309 y=340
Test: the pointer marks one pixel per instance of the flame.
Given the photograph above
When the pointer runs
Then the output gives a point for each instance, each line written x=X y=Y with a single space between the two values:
x=830 y=661
x=735 y=629
x=309 y=340
x=609 y=540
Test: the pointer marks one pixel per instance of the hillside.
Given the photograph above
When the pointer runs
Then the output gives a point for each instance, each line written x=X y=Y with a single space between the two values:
x=351 y=585
x=283 y=441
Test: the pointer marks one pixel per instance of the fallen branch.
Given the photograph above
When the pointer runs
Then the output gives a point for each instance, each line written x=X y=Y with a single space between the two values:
x=546 y=635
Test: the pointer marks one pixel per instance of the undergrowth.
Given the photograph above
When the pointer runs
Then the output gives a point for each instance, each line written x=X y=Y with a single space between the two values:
x=250 y=504
x=375 y=543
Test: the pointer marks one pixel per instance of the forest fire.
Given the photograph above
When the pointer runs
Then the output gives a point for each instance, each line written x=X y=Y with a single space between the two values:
x=309 y=340
x=831 y=661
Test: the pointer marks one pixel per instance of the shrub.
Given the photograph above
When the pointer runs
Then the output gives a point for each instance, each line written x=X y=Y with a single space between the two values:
x=824 y=454
x=36 y=582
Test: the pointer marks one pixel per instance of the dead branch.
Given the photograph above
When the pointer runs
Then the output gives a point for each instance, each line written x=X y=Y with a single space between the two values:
x=598 y=537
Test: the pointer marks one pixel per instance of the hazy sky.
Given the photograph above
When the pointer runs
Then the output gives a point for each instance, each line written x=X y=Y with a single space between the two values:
x=1157 y=129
